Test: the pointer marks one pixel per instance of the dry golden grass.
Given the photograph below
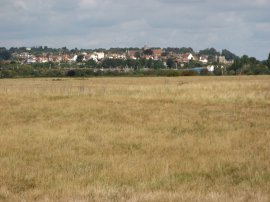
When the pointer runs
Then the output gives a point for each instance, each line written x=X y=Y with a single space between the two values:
x=135 y=139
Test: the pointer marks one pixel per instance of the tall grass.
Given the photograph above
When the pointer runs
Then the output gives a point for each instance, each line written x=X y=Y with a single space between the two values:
x=135 y=139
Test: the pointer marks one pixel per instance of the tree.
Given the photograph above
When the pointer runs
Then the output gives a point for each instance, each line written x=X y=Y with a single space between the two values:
x=245 y=60
x=91 y=63
x=253 y=61
x=268 y=61
x=5 y=54
x=131 y=63
x=261 y=69
x=209 y=51
x=229 y=55
x=137 y=54
x=148 y=52
x=236 y=66
x=179 y=50
x=149 y=63
x=158 y=64
x=170 y=63
x=212 y=58
x=80 y=58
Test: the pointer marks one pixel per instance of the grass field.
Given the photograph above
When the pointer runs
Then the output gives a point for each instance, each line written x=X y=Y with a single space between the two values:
x=135 y=139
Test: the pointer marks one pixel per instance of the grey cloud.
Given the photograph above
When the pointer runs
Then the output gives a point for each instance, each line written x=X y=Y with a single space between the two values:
x=241 y=26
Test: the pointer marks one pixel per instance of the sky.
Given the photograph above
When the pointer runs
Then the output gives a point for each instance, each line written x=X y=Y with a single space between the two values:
x=241 y=26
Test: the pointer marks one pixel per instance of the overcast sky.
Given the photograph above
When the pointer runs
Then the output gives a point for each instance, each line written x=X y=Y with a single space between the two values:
x=241 y=26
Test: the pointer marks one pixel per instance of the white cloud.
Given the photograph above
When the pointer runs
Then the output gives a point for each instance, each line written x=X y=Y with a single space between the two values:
x=241 y=26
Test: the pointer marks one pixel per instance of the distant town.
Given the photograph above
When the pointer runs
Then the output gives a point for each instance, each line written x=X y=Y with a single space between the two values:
x=208 y=61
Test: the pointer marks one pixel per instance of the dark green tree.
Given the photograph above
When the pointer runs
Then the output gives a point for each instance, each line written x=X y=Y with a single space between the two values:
x=170 y=63
x=91 y=63
x=80 y=58
x=137 y=54
x=268 y=61
x=229 y=55
x=4 y=54
x=209 y=51
x=148 y=52
x=235 y=67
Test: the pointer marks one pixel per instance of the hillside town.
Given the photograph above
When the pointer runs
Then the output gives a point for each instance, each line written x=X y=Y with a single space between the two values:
x=209 y=61
x=180 y=58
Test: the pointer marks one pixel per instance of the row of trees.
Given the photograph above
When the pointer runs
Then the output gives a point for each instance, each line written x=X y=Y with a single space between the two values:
x=30 y=71
x=249 y=65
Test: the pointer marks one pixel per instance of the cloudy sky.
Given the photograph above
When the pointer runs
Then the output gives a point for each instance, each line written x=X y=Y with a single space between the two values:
x=241 y=26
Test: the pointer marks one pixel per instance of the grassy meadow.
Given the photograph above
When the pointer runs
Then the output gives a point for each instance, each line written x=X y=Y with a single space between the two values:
x=135 y=139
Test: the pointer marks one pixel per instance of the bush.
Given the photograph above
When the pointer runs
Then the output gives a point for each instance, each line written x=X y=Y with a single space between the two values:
x=172 y=73
x=261 y=69
x=188 y=73
x=8 y=73
x=71 y=73
x=204 y=72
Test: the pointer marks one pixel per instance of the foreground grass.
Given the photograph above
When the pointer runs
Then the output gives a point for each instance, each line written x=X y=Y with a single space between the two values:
x=135 y=139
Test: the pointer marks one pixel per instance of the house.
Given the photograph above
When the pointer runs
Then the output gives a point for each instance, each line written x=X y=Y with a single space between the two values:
x=133 y=54
x=157 y=52
x=185 y=58
x=100 y=55
x=31 y=59
x=210 y=68
x=203 y=59
x=222 y=59
x=74 y=58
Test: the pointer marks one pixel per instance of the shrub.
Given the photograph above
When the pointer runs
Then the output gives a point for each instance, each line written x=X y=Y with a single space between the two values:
x=204 y=72
x=188 y=73
x=71 y=73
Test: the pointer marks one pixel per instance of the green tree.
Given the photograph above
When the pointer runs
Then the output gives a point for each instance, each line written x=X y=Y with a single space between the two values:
x=137 y=54
x=268 y=61
x=229 y=55
x=91 y=63
x=158 y=64
x=209 y=51
x=131 y=63
x=235 y=67
x=148 y=52
x=5 y=54
x=170 y=63
x=80 y=58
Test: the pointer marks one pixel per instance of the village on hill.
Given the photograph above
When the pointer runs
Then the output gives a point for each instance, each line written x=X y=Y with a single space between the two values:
x=131 y=59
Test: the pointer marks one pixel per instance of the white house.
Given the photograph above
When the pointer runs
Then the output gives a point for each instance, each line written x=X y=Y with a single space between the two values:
x=210 y=68
x=97 y=56
x=203 y=59
x=100 y=55
x=190 y=57
x=74 y=59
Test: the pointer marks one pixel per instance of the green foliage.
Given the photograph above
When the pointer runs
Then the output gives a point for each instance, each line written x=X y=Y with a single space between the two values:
x=113 y=63
x=218 y=71
x=91 y=63
x=158 y=64
x=170 y=63
x=148 y=52
x=80 y=58
x=209 y=51
x=179 y=50
x=261 y=69
x=188 y=73
x=4 y=54
x=7 y=73
x=193 y=63
x=237 y=64
x=268 y=61
x=229 y=55
x=248 y=65
x=204 y=72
